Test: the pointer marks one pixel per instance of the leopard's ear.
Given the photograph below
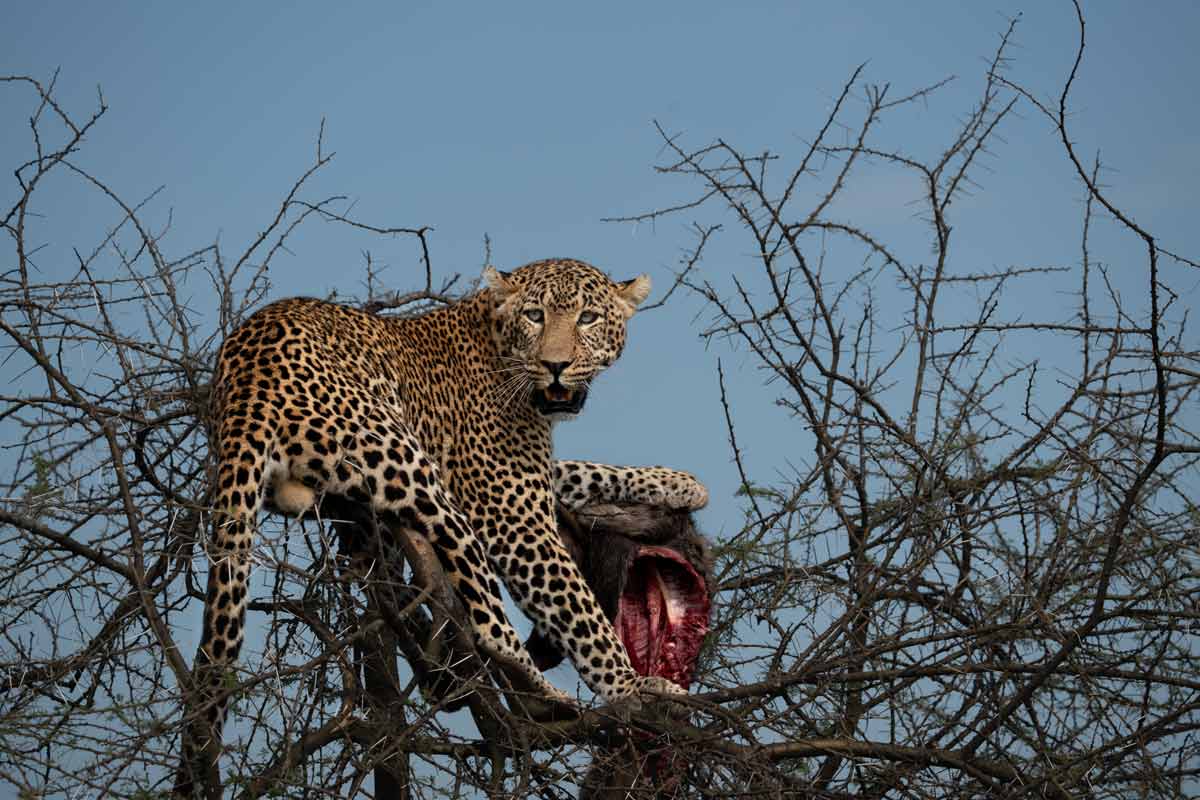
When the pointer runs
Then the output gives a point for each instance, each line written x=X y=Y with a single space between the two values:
x=633 y=293
x=503 y=290
x=498 y=281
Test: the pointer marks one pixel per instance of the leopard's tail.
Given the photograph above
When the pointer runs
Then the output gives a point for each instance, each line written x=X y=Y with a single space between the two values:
x=245 y=444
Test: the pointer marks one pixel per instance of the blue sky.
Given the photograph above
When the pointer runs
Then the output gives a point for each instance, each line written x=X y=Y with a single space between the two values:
x=531 y=122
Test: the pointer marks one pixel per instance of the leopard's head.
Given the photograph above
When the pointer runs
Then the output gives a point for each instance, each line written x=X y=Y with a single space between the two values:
x=557 y=325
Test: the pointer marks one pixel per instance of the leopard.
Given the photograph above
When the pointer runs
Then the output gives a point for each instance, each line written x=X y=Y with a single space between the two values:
x=439 y=423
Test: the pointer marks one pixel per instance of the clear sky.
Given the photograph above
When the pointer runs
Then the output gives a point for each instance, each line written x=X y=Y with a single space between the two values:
x=532 y=121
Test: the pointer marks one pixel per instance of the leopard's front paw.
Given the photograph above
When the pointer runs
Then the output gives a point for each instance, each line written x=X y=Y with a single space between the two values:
x=682 y=491
x=634 y=694
x=653 y=685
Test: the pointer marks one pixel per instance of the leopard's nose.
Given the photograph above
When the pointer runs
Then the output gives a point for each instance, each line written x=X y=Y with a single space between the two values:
x=556 y=367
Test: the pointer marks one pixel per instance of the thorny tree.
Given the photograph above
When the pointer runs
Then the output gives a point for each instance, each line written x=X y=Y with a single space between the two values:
x=981 y=580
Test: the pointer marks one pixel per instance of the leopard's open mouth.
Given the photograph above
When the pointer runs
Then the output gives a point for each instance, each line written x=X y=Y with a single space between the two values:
x=663 y=614
x=558 y=399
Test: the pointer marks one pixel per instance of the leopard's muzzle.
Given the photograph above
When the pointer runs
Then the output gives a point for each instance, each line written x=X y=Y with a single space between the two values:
x=557 y=399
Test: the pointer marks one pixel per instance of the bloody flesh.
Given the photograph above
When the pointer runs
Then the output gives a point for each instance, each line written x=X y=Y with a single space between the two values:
x=663 y=614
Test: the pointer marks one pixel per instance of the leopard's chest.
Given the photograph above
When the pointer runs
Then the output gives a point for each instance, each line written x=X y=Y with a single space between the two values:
x=497 y=472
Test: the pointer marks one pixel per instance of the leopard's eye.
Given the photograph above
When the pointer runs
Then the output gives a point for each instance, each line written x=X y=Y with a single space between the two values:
x=588 y=317
x=534 y=315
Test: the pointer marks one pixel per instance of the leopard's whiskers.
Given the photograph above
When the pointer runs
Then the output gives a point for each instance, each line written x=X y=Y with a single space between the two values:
x=508 y=389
